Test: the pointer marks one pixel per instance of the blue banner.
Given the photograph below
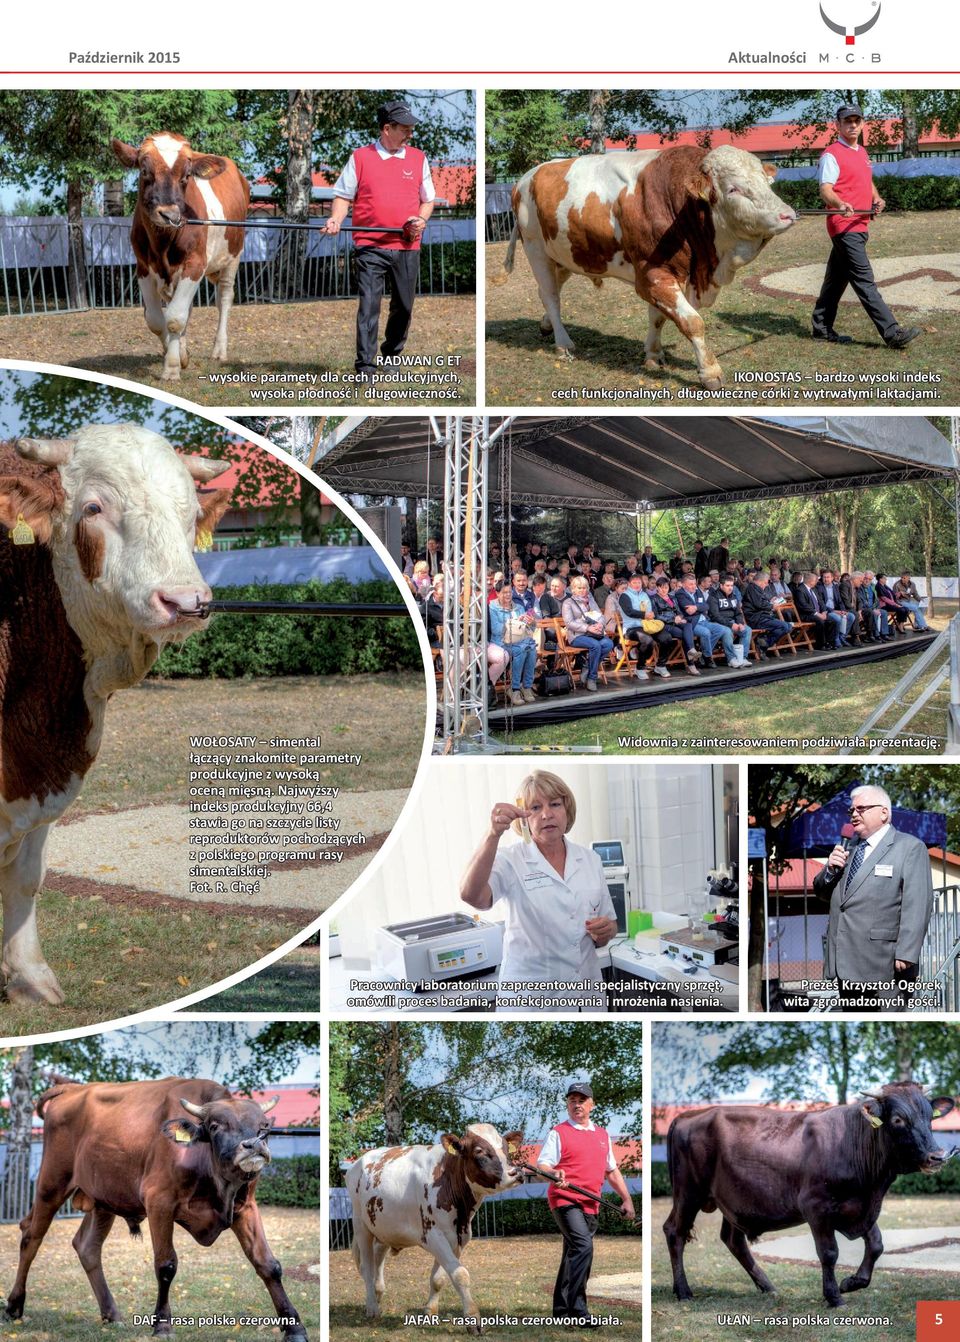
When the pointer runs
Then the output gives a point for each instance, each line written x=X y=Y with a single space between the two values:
x=818 y=831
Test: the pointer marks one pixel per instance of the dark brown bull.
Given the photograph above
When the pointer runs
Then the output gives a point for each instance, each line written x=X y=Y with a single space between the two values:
x=173 y=255
x=127 y=1150
x=767 y=1169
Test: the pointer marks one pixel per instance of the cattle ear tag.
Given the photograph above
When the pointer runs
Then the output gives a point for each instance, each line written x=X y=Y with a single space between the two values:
x=937 y=1113
x=204 y=540
x=182 y=1134
x=871 y=1118
x=22 y=533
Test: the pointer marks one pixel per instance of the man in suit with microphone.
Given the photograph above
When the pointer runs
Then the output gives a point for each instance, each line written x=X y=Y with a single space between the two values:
x=880 y=888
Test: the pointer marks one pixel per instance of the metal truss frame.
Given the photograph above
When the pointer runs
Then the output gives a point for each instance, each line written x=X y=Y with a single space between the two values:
x=466 y=442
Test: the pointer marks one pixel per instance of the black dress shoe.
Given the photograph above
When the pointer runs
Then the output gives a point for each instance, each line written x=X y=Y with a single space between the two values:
x=902 y=336
x=833 y=337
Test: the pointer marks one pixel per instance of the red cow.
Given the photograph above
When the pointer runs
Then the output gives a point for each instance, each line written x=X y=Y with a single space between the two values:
x=173 y=255
x=126 y=1149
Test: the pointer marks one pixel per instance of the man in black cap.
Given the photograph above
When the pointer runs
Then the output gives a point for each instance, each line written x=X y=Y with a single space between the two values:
x=388 y=184
x=582 y=1153
x=846 y=185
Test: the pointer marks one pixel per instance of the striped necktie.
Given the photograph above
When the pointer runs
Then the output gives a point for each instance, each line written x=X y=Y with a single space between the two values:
x=856 y=862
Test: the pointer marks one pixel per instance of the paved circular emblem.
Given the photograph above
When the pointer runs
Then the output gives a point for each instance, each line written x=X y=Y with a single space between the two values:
x=924 y=282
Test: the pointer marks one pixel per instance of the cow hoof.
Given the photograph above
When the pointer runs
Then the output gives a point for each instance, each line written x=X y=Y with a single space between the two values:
x=170 y=374
x=654 y=362
x=42 y=987
x=565 y=351
x=713 y=381
x=184 y=356
x=851 y=1284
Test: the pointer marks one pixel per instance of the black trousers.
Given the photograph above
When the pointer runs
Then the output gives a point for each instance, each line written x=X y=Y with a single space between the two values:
x=570 y=1292
x=374 y=266
x=849 y=264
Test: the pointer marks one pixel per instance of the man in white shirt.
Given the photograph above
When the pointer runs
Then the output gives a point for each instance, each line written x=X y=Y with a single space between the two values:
x=846 y=186
x=578 y=1151
x=388 y=185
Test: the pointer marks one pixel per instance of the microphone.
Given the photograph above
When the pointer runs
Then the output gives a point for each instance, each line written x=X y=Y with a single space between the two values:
x=848 y=837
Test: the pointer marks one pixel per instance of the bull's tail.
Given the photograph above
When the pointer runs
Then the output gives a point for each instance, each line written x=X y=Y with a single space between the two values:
x=133 y=1225
x=510 y=257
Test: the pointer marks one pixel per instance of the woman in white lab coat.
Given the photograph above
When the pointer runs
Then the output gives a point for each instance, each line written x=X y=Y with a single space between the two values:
x=557 y=906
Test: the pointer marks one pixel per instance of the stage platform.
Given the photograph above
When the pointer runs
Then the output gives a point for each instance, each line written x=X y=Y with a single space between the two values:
x=623 y=695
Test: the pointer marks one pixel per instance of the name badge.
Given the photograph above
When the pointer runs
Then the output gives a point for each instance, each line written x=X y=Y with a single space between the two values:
x=882 y=869
x=536 y=880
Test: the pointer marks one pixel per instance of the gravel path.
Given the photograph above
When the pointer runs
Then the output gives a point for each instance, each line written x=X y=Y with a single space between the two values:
x=147 y=848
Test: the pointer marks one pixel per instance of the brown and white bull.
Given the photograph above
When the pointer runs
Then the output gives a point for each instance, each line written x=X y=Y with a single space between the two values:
x=676 y=223
x=128 y=1150
x=97 y=574
x=427 y=1195
x=173 y=255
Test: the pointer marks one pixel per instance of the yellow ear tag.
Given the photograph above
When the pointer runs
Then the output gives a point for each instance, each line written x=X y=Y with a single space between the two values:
x=204 y=541
x=937 y=1114
x=182 y=1134
x=872 y=1119
x=22 y=533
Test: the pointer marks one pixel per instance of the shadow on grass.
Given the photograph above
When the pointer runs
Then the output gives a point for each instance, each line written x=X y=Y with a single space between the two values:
x=352 y=1316
x=278 y=988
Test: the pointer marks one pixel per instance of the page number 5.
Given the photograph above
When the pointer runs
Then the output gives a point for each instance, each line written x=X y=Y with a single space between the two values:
x=937 y=1319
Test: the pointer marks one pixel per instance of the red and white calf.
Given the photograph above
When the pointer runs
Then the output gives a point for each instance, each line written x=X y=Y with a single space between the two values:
x=427 y=1195
x=174 y=255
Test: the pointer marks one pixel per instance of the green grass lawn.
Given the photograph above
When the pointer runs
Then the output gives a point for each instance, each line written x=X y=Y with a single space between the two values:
x=720 y=1286
x=300 y=340
x=509 y=1277
x=289 y=984
x=748 y=330
x=116 y=954
x=825 y=703
x=113 y=959
x=218 y=1280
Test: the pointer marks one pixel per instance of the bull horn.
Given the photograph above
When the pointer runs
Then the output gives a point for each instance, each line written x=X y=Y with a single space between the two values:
x=49 y=451
x=195 y=1109
x=205 y=468
x=270 y=1104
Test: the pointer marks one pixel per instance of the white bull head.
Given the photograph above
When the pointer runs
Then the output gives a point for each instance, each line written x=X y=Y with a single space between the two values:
x=122 y=535
x=743 y=203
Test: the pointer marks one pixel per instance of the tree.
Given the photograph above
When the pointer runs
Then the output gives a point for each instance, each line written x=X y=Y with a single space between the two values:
x=399 y=1083
x=16 y=1171
x=49 y=137
x=298 y=125
x=812 y=113
x=823 y=1060
x=528 y=126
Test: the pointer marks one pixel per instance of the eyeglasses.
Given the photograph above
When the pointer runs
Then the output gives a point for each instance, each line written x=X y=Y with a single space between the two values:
x=872 y=806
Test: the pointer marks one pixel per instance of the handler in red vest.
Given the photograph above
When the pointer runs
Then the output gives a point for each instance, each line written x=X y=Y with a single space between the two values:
x=846 y=184
x=578 y=1151
x=388 y=183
